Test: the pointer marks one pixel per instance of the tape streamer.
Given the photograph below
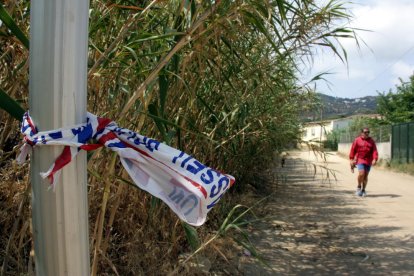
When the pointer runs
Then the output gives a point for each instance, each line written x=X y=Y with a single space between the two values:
x=187 y=186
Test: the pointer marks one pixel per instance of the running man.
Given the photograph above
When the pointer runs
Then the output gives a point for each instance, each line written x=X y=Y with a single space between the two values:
x=363 y=154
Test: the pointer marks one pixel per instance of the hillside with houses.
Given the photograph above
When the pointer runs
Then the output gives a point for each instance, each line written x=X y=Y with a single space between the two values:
x=337 y=115
x=336 y=107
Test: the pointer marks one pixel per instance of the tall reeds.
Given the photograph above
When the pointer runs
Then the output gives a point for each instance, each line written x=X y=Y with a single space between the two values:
x=217 y=79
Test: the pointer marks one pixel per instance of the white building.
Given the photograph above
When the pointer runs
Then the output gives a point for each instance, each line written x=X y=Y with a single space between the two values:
x=317 y=131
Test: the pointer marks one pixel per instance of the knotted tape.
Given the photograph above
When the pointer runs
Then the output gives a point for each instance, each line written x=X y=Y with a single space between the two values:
x=187 y=186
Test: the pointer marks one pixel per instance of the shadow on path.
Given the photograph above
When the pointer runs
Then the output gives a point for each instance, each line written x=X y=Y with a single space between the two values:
x=383 y=195
x=314 y=229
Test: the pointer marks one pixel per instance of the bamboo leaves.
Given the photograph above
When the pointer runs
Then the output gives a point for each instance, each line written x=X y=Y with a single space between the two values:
x=192 y=237
x=10 y=106
x=14 y=29
x=218 y=79
x=7 y=103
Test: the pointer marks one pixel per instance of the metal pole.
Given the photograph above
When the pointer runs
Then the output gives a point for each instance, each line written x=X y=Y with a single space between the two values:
x=380 y=134
x=393 y=142
x=408 y=143
x=58 y=70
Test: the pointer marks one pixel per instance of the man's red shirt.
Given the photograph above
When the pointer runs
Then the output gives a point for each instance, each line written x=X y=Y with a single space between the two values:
x=364 y=150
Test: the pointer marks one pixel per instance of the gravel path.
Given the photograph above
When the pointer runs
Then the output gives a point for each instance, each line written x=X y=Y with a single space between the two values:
x=317 y=226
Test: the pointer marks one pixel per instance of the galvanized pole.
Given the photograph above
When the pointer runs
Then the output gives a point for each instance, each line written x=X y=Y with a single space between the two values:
x=58 y=70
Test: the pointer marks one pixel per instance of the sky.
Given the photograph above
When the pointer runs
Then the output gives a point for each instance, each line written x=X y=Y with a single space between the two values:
x=377 y=66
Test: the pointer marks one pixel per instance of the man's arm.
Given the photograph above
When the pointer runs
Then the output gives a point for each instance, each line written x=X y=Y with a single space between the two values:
x=374 y=154
x=352 y=152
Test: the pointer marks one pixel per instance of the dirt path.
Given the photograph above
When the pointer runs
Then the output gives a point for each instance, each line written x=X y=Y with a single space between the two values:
x=319 y=227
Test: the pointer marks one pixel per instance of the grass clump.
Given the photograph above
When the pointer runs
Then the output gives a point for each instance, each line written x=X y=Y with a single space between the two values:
x=402 y=167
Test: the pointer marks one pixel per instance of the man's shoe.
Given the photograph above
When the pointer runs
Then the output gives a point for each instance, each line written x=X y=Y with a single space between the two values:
x=363 y=194
x=358 y=192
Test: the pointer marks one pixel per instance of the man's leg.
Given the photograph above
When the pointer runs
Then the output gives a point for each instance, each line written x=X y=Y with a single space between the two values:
x=363 y=172
x=360 y=183
x=365 y=181
x=360 y=178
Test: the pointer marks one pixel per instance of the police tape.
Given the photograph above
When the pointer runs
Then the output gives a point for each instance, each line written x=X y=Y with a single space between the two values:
x=187 y=186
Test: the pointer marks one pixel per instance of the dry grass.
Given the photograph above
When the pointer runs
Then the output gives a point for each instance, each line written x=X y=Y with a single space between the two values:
x=137 y=239
x=15 y=219
x=227 y=94
x=402 y=167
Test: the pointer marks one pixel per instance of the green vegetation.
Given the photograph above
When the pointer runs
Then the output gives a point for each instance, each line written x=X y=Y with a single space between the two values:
x=398 y=106
x=215 y=79
x=402 y=167
x=332 y=140
x=393 y=107
x=379 y=130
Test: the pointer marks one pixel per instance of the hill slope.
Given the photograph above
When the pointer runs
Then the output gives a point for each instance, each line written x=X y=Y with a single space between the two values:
x=334 y=107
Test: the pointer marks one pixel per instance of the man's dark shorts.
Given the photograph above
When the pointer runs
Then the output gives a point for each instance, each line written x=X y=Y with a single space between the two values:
x=363 y=167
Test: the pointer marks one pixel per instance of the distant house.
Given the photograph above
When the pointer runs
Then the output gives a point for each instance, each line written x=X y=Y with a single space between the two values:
x=317 y=131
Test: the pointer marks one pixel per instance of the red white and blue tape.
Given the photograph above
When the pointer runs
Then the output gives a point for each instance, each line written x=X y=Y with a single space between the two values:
x=187 y=186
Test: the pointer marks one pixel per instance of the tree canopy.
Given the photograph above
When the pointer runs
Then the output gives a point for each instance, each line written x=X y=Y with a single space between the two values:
x=398 y=106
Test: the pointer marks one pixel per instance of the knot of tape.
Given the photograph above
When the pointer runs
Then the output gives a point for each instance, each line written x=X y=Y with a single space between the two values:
x=187 y=186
